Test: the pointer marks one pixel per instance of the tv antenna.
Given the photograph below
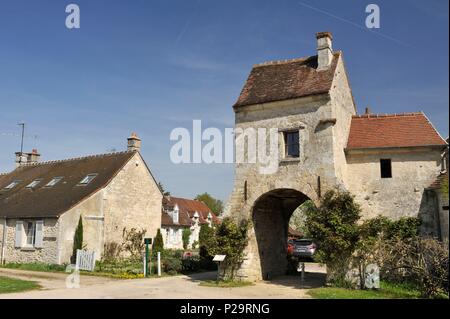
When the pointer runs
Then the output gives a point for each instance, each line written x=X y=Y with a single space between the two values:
x=21 y=141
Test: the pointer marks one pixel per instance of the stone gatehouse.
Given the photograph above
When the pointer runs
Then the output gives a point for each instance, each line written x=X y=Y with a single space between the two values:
x=387 y=161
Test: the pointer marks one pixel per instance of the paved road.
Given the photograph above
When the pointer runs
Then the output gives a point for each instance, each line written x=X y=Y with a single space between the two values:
x=184 y=287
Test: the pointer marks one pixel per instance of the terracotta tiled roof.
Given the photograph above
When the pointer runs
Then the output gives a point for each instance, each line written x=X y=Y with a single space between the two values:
x=187 y=208
x=392 y=130
x=283 y=80
x=183 y=220
x=42 y=201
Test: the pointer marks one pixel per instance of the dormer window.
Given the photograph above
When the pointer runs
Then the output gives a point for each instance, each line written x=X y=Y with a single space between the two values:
x=34 y=183
x=54 y=181
x=176 y=215
x=13 y=184
x=87 y=179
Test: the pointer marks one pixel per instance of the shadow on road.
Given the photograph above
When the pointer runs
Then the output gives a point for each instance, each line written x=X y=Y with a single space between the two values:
x=312 y=279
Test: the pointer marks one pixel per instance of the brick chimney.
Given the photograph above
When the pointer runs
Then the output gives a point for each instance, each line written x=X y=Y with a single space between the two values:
x=324 y=50
x=134 y=143
x=33 y=157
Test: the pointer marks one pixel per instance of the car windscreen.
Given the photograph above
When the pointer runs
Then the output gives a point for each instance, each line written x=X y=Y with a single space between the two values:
x=303 y=242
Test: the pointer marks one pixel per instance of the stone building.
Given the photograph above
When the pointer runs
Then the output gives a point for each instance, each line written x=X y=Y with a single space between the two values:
x=41 y=204
x=387 y=161
x=182 y=213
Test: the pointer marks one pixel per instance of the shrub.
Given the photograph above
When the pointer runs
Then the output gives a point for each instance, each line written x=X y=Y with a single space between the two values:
x=376 y=231
x=334 y=225
x=422 y=261
x=206 y=239
x=133 y=242
x=158 y=243
x=230 y=239
x=111 y=251
x=172 y=265
x=77 y=240
x=129 y=266
x=186 y=235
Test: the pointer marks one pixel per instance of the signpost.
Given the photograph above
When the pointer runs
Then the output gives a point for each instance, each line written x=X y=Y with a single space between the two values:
x=218 y=259
x=147 y=242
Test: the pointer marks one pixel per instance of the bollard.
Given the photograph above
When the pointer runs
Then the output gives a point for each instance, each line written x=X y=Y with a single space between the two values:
x=159 y=264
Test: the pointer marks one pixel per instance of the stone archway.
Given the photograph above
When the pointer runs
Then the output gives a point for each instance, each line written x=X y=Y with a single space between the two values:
x=270 y=216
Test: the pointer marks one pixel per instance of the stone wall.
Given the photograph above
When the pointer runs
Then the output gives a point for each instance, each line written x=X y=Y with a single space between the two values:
x=47 y=254
x=413 y=170
x=132 y=200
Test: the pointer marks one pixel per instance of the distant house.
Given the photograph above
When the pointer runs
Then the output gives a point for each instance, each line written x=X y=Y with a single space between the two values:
x=181 y=213
x=41 y=204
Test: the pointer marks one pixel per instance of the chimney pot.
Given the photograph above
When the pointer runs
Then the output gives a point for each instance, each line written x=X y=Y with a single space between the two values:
x=324 y=50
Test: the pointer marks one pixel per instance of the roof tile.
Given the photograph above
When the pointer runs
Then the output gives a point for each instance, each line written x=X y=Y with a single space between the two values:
x=392 y=130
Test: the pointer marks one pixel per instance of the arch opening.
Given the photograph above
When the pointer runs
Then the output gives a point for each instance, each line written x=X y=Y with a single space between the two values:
x=270 y=216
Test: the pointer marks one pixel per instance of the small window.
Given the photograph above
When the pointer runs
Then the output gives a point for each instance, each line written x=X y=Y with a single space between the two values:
x=34 y=183
x=386 y=168
x=13 y=184
x=87 y=179
x=176 y=214
x=54 y=181
x=291 y=144
x=30 y=231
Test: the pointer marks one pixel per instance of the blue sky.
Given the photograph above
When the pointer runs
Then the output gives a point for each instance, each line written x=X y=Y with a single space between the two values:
x=151 y=66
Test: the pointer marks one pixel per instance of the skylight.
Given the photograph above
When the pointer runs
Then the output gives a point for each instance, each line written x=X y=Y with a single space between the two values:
x=34 y=183
x=13 y=184
x=54 y=181
x=87 y=179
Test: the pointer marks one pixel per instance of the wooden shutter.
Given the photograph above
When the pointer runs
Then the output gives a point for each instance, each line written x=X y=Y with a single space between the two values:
x=19 y=234
x=39 y=236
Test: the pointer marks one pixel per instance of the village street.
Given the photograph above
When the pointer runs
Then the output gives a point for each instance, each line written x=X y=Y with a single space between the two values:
x=181 y=287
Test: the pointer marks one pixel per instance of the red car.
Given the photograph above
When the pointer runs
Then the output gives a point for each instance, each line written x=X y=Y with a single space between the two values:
x=290 y=247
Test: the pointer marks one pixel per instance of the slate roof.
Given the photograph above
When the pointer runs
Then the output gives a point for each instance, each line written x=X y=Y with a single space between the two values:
x=392 y=130
x=187 y=209
x=288 y=79
x=53 y=201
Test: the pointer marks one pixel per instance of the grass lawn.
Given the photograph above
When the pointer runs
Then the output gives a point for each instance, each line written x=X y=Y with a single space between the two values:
x=119 y=272
x=8 y=285
x=387 y=291
x=226 y=283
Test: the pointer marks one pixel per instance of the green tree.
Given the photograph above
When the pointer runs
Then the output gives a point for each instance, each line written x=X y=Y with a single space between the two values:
x=230 y=239
x=334 y=226
x=163 y=191
x=77 y=240
x=215 y=205
x=158 y=243
x=298 y=218
x=205 y=238
x=186 y=235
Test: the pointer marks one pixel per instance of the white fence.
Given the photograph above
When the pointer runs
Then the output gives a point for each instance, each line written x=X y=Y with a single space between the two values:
x=85 y=260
